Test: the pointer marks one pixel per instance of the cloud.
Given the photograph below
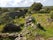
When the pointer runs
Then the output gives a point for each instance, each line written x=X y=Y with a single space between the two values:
x=25 y=3
x=17 y=3
x=39 y=0
x=5 y=3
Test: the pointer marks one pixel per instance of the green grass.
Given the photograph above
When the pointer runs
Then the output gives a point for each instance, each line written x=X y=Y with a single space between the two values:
x=1 y=27
x=42 y=19
x=19 y=21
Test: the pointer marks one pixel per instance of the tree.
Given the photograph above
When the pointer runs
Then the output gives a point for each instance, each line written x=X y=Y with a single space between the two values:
x=36 y=6
x=4 y=9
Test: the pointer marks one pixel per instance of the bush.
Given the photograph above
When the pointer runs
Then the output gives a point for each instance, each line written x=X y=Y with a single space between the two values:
x=40 y=27
x=33 y=20
x=44 y=11
x=11 y=28
x=17 y=14
x=36 y=6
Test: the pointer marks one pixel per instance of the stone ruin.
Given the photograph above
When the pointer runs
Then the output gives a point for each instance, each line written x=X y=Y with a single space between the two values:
x=29 y=21
x=21 y=37
x=15 y=36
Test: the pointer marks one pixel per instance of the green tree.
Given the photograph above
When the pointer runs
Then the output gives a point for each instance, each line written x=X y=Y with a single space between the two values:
x=36 y=6
x=4 y=9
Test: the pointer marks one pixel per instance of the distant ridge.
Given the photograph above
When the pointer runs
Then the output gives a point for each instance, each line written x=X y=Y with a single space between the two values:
x=13 y=7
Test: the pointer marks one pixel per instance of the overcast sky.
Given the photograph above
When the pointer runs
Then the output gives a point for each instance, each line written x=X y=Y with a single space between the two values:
x=23 y=3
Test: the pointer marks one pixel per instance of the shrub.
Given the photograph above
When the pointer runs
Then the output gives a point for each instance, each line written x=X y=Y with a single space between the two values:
x=36 y=6
x=44 y=10
x=21 y=13
x=11 y=28
x=40 y=27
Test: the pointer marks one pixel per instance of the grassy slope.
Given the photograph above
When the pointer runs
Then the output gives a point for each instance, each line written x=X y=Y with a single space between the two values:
x=42 y=18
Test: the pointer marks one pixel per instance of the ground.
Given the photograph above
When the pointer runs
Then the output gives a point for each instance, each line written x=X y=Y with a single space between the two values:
x=39 y=18
x=43 y=20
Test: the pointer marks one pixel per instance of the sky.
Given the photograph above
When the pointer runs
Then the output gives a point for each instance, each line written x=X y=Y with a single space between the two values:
x=24 y=3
